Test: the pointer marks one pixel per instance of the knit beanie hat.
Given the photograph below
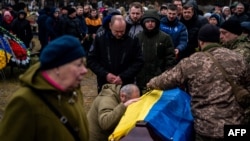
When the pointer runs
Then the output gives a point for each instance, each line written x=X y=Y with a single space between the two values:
x=225 y=7
x=164 y=6
x=232 y=26
x=207 y=15
x=217 y=17
x=61 y=51
x=7 y=13
x=71 y=10
x=209 y=33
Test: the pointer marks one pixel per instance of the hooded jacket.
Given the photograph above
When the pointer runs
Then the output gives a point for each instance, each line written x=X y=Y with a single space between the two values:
x=53 y=26
x=132 y=28
x=157 y=48
x=105 y=112
x=28 y=118
x=21 y=27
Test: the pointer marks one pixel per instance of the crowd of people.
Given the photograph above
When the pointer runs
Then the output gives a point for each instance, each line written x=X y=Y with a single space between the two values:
x=148 y=46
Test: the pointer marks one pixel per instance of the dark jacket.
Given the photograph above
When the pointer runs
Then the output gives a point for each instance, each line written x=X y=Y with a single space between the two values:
x=42 y=31
x=157 y=48
x=53 y=25
x=240 y=17
x=22 y=29
x=71 y=26
x=30 y=119
x=121 y=57
x=82 y=24
x=193 y=26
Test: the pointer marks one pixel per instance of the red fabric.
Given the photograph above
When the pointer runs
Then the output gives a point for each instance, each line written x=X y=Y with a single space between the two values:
x=20 y=53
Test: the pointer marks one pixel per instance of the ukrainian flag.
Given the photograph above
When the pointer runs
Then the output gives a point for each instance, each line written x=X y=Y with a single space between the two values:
x=167 y=112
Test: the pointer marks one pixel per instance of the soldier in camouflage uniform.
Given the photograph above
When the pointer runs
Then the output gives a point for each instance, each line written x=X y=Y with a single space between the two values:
x=246 y=32
x=213 y=102
x=231 y=38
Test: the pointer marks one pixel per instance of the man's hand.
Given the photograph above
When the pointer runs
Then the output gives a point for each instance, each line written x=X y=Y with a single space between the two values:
x=111 y=78
x=176 y=51
x=151 y=84
x=118 y=80
x=131 y=101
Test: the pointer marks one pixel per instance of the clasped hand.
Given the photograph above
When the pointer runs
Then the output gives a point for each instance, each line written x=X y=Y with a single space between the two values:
x=113 y=79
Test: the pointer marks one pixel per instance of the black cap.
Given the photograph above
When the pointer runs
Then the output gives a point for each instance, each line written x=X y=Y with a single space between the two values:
x=209 y=33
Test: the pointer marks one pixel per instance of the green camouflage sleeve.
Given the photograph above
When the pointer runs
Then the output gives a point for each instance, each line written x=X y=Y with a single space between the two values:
x=171 y=78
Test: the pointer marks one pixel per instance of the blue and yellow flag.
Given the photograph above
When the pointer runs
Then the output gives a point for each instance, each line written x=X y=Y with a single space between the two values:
x=168 y=113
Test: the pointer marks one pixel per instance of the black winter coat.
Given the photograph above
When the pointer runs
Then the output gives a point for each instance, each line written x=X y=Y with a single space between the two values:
x=22 y=29
x=71 y=26
x=193 y=26
x=121 y=57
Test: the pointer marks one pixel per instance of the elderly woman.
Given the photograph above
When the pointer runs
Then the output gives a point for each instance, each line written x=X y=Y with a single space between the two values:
x=49 y=105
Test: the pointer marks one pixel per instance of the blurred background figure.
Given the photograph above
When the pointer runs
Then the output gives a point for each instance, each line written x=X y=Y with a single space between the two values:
x=49 y=97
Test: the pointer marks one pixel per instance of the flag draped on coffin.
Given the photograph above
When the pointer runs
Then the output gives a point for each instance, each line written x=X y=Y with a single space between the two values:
x=168 y=113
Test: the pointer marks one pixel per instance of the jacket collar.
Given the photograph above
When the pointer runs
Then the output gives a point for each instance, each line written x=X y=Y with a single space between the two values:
x=209 y=46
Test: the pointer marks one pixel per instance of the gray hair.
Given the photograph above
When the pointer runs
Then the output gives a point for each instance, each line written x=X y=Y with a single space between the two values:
x=129 y=89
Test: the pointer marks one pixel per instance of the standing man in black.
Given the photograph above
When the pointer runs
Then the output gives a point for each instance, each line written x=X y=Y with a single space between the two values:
x=115 y=57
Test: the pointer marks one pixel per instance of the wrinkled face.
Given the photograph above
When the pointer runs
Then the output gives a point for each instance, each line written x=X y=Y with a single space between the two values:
x=124 y=97
x=118 y=29
x=171 y=14
x=135 y=14
x=226 y=36
x=240 y=9
x=150 y=24
x=188 y=13
x=71 y=74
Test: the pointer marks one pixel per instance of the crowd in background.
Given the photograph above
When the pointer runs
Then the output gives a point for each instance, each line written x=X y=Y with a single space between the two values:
x=49 y=22
x=135 y=42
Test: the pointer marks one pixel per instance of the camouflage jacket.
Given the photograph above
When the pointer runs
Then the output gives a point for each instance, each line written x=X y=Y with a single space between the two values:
x=240 y=45
x=213 y=102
